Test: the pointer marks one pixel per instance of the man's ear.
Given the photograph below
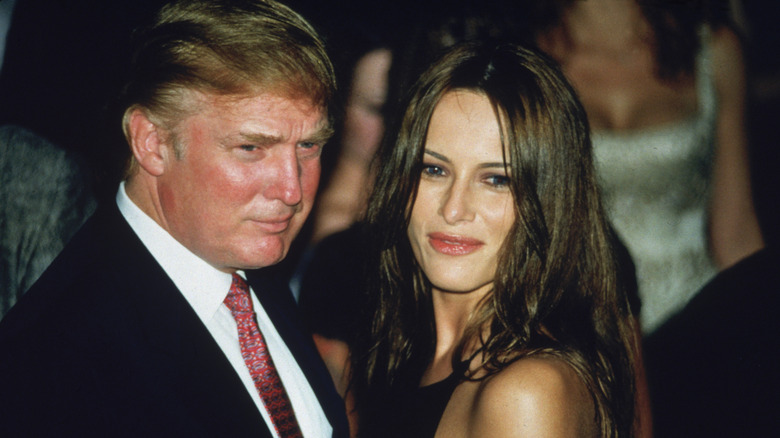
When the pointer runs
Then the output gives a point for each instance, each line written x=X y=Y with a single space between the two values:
x=147 y=143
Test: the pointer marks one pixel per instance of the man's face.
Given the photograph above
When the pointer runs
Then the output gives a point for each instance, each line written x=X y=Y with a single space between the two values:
x=246 y=178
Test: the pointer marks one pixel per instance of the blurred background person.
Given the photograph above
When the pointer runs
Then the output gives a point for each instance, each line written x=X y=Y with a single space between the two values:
x=361 y=36
x=664 y=86
x=6 y=9
x=342 y=201
x=64 y=66
x=324 y=262
x=45 y=196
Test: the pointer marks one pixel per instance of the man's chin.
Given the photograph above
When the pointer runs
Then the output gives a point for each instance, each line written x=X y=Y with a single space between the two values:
x=248 y=254
x=265 y=258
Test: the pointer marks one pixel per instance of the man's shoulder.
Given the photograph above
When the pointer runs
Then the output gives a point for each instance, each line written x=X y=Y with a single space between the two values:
x=62 y=317
x=77 y=284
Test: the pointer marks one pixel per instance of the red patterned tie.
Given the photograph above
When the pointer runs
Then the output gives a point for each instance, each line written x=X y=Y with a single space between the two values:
x=259 y=362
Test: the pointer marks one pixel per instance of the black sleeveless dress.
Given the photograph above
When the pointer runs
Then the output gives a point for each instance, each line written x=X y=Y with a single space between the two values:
x=420 y=415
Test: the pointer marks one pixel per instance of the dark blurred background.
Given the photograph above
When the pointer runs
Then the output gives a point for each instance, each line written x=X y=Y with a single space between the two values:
x=65 y=61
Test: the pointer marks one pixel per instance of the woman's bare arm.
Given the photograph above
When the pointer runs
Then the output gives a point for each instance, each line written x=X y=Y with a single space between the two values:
x=734 y=227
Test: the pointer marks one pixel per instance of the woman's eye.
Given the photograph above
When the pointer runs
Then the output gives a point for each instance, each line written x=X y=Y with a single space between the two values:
x=498 y=180
x=431 y=170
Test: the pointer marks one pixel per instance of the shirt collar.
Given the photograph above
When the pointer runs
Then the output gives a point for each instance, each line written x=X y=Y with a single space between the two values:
x=202 y=285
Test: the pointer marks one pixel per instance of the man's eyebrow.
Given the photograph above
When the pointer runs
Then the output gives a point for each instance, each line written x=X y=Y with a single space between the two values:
x=481 y=165
x=261 y=139
x=321 y=136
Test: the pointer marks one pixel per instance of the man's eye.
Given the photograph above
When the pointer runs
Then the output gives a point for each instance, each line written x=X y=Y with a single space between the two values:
x=248 y=147
x=309 y=149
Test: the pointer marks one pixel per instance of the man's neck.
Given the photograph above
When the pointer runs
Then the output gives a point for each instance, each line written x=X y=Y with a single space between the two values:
x=143 y=193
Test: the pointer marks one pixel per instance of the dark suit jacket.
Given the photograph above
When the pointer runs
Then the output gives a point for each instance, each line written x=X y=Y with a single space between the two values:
x=105 y=345
x=712 y=368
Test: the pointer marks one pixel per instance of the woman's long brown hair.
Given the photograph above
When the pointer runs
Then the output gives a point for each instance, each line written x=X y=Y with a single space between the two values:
x=555 y=291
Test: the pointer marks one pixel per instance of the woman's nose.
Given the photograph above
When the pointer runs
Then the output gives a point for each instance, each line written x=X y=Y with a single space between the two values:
x=457 y=203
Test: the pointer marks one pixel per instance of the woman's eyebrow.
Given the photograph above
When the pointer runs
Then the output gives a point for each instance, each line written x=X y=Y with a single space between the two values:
x=437 y=155
x=492 y=165
x=498 y=164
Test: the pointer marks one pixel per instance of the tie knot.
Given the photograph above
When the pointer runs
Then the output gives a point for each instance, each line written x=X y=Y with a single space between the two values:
x=238 y=299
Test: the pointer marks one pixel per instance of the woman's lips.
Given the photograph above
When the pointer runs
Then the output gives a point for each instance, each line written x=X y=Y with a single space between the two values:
x=453 y=245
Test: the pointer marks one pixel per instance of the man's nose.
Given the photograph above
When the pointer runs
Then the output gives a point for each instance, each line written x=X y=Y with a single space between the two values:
x=284 y=173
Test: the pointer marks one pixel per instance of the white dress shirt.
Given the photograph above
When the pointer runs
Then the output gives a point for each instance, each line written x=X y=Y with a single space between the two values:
x=205 y=288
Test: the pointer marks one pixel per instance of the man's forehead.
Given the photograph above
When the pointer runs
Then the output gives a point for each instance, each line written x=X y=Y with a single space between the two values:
x=270 y=116
x=272 y=103
x=273 y=97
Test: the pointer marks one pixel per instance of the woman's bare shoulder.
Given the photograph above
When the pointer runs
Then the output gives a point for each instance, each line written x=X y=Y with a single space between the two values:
x=535 y=396
x=728 y=61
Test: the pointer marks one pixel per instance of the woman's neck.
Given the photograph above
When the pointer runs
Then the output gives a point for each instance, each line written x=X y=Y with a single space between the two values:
x=453 y=312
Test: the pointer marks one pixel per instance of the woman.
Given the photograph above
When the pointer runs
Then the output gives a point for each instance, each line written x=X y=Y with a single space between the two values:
x=495 y=304
x=663 y=83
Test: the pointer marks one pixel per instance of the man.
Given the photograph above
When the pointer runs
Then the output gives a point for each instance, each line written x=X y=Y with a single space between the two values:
x=144 y=325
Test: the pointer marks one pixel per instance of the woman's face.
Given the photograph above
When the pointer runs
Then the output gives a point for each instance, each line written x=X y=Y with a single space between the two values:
x=464 y=207
x=363 y=118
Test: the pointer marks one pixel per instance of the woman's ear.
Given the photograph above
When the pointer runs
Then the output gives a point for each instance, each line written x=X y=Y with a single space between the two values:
x=147 y=143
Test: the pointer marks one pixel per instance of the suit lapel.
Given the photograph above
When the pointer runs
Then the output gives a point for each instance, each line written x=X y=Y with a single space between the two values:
x=181 y=347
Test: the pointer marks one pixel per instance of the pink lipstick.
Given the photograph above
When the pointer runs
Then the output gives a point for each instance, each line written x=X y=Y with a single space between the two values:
x=448 y=244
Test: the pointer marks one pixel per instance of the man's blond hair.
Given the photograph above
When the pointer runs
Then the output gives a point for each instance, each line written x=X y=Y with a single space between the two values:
x=237 y=47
